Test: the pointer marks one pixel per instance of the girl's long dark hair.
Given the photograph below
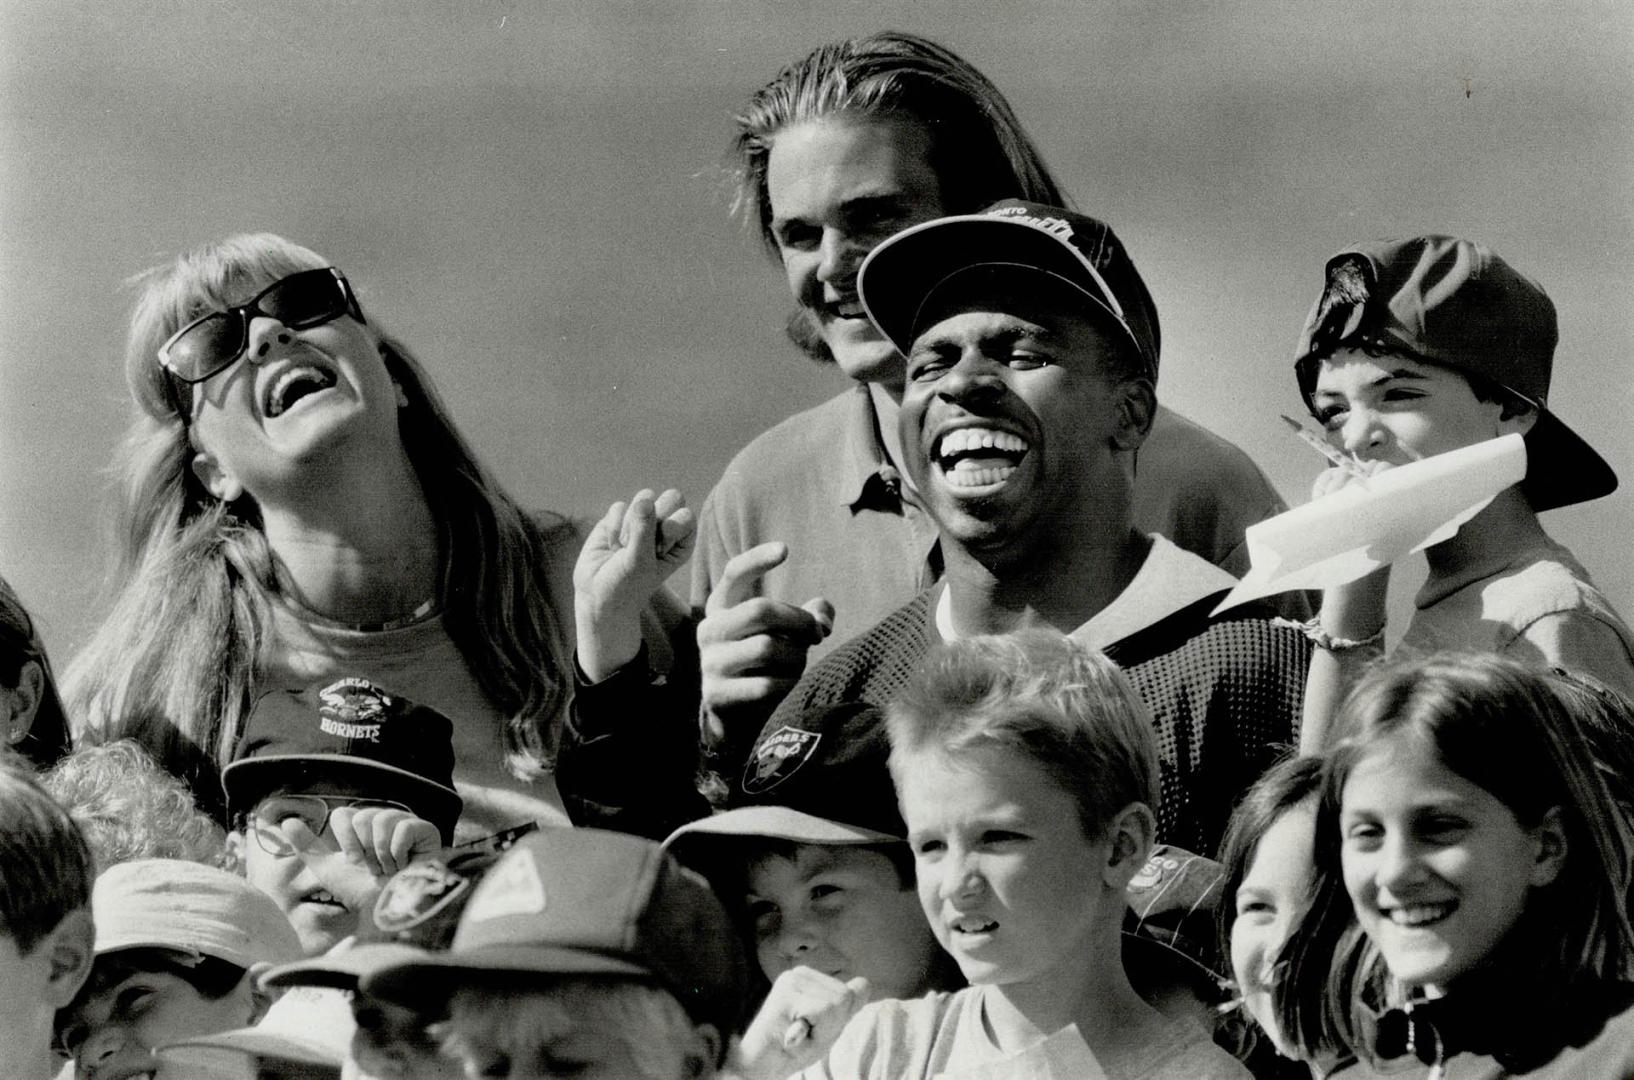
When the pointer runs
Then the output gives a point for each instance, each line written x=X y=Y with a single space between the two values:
x=1511 y=731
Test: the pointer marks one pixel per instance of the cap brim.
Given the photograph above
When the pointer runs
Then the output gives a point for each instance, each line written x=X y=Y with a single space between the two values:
x=427 y=983
x=246 y=776
x=1563 y=469
x=252 y=1042
x=343 y=970
x=777 y=823
x=900 y=275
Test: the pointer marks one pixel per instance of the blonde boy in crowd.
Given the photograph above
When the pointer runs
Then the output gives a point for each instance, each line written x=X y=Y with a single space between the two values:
x=1027 y=776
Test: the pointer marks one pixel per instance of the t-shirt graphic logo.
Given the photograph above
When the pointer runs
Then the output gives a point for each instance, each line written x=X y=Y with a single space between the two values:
x=777 y=757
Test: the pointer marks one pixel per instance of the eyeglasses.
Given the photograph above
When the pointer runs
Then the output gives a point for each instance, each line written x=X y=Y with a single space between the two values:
x=272 y=815
x=213 y=342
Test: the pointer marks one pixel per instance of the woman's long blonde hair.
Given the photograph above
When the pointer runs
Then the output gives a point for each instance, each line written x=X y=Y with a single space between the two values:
x=180 y=657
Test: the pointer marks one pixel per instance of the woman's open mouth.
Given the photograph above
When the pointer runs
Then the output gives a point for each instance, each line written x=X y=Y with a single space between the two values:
x=293 y=385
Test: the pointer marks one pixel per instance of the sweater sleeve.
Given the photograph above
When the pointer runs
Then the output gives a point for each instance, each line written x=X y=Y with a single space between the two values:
x=629 y=756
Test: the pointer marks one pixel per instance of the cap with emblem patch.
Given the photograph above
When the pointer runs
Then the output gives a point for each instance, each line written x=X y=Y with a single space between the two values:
x=415 y=914
x=586 y=902
x=822 y=779
x=351 y=732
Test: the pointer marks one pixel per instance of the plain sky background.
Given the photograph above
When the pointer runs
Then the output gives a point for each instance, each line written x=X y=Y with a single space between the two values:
x=530 y=194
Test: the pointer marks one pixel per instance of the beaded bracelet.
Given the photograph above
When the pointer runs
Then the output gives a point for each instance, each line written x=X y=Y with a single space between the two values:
x=1312 y=629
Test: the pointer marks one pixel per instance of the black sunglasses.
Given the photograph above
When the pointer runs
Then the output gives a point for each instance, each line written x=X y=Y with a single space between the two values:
x=212 y=342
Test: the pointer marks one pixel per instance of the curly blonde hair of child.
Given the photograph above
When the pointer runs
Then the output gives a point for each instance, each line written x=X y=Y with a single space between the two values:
x=130 y=808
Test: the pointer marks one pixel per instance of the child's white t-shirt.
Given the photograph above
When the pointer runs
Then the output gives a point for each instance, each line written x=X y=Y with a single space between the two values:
x=1535 y=604
x=924 y=1038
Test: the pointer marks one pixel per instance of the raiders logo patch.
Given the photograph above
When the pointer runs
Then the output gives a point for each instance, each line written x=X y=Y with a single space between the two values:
x=778 y=757
x=416 y=893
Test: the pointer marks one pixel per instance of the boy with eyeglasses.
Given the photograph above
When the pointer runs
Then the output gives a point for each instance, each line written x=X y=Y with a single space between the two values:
x=332 y=791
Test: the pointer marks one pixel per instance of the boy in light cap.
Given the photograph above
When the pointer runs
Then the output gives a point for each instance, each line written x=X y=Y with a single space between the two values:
x=177 y=947
x=583 y=952
x=333 y=790
x=1414 y=348
x=46 y=942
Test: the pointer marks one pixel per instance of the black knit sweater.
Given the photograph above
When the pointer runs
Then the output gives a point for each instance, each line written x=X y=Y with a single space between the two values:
x=1225 y=696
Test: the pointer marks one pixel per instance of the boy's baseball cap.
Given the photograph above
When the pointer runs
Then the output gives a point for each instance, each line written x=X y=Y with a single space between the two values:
x=1455 y=303
x=192 y=908
x=415 y=915
x=353 y=732
x=821 y=780
x=586 y=902
x=903 y=273
x=309 y=1025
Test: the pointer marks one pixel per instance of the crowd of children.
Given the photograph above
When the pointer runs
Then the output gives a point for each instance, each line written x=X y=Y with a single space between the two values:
x=355 y=791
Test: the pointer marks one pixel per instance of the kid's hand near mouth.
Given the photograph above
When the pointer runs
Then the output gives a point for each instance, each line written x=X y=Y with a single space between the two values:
x=1352 y=617
x=1354 y=471
x=802 y=1016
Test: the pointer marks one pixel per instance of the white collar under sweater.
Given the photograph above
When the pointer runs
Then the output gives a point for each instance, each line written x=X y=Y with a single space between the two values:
x=1171 y=578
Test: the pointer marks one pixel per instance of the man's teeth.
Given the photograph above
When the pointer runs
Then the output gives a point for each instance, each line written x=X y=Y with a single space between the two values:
x=848 y=309
x=971 y=925
x=968 y=440
x=965 y=474
x=321 y=896
x=1420 y=914
x=966 y=461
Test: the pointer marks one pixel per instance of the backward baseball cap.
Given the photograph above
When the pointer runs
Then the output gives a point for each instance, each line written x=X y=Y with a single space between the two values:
x=351 y=731
x=1457 y=304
